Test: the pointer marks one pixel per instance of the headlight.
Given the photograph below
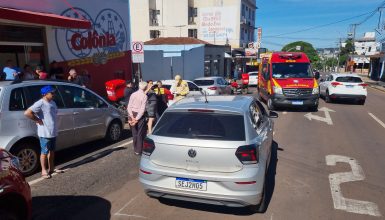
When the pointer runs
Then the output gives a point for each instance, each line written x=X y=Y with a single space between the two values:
x=277 y=90
x=315 y=91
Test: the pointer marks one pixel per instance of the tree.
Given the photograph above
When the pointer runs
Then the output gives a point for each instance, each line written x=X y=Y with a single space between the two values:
x=346 y=51
x=306 y=48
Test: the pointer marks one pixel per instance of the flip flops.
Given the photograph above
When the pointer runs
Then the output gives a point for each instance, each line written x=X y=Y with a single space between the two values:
x=57 y=171
x=46 y=176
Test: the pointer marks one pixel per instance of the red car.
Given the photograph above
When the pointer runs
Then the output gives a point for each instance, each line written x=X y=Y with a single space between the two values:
x=15 y=193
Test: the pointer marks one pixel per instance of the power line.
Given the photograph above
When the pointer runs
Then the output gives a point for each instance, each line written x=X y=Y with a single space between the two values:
x=303 y=38
x=320 y=26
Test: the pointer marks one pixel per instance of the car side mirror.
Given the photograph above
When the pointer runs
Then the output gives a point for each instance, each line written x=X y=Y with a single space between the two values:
x=273 y=114
x=200 y=89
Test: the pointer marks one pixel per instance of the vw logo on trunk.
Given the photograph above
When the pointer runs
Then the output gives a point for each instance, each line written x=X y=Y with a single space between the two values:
x=192 y=153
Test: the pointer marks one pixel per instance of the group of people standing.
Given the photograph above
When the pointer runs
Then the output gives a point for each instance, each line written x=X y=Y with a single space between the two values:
x=146 y=105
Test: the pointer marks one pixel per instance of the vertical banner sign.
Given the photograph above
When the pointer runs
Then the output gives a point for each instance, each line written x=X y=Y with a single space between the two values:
x=259 y=38
x=137 y=49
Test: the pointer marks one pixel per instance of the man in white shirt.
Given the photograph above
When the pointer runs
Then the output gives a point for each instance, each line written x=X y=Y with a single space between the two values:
x=44 y=113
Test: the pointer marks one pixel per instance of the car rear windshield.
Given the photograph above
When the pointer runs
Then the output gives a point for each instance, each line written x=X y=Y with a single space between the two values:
x=204 y=82
x=349 y=79
x=196 y=125
x=292 y=70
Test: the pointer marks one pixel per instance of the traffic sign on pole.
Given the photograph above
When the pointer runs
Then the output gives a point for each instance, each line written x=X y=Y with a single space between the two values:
x=137 y=51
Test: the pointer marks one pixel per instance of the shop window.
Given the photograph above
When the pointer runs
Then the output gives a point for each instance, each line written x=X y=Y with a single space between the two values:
x=193 y=33
x=10 y=33
x=154 y=34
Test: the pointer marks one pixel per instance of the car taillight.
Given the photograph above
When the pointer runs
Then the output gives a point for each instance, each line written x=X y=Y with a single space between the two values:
x=248 y=154
x=334 y=84
x=148 y=147
x=363 y=85
x=213 y=88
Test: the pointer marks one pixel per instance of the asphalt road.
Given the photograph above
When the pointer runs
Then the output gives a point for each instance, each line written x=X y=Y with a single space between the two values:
x=340 y=150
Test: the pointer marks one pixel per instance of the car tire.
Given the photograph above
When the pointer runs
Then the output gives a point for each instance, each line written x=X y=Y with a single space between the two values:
x=327 y=97
x=29 y=156
x=114 y=131
x=361 y=102
x=270 y=104
x=313 y=108
x=6 y=215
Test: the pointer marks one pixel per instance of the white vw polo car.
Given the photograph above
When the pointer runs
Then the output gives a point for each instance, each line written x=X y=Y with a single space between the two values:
x=214 y=151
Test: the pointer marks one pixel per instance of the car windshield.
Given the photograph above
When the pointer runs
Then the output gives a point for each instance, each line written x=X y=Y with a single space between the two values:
x=292 y=70
x=207 y=126
x=253 y=74
x=349 y=79
x=204 y=82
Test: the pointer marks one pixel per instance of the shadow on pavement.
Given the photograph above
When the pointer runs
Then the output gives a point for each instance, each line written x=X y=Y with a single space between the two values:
x=270 y=186
x=70 y=207
x=84 y=149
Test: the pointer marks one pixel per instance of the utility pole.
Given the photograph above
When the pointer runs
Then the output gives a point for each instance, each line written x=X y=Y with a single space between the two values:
x=339 y=54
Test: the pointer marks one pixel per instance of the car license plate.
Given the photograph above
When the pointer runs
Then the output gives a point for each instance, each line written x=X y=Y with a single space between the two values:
x=192 y=184
x=349 y=86
x=297 y=102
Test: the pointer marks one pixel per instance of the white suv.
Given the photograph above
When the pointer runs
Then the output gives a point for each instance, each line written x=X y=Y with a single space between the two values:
x=83 y=116
x=343 y=86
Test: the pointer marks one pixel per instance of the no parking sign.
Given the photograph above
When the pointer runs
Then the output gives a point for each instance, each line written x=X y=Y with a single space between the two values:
x=137 y=50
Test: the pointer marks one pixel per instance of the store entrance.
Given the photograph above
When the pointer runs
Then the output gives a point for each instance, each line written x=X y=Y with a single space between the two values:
x=22 y=45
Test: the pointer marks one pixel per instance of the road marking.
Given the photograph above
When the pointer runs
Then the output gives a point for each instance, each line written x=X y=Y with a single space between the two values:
x=357 y=174
x=284 y=112
x=377 y=120
x=135 y=216
x=41 y=178
x=32 y=182
x=125 y=206
x=327 y=119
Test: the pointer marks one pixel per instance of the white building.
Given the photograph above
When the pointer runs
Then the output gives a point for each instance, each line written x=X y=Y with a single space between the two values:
x=215 y=21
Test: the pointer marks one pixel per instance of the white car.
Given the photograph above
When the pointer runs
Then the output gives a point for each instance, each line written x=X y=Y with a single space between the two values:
x=213 y=149
x=194 y=90
x=343 y=86
x=214 y=85
x=253 y=78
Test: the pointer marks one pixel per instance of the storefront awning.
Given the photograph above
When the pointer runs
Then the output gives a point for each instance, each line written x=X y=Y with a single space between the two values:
x=43 y=18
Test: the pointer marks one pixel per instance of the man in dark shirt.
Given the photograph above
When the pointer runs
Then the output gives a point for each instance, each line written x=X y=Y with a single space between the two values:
x=75 y=78
x=128 y=91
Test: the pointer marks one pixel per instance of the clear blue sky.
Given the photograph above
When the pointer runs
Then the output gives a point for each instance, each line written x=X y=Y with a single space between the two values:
x=277 y=17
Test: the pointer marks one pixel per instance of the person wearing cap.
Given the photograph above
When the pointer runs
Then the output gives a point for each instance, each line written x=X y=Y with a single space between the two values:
x=180 y=88
x=44 y=113
x=75 y=78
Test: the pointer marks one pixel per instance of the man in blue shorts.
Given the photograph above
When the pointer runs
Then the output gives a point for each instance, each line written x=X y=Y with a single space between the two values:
x=44 y=113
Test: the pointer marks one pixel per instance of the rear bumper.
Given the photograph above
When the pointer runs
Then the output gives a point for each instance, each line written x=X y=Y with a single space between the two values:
x=348 y=96
x=284 y=101
x=221 y=190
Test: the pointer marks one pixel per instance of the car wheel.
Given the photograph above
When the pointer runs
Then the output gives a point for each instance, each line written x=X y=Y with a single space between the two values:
x=28 y=155
x=362 y=102
x=270 y=104
x=313 y=108
x=327 y=97
x=114 y=131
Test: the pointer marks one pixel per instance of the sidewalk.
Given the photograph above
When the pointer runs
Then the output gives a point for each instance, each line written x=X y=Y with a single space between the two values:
x=379 y=85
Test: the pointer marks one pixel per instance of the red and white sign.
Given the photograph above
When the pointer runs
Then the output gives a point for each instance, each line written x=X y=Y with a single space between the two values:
x=137 y=49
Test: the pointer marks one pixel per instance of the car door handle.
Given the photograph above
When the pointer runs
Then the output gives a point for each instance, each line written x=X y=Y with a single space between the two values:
x=76 y=113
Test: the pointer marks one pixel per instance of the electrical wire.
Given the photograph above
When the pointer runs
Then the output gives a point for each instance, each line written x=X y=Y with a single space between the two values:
x=320 y=26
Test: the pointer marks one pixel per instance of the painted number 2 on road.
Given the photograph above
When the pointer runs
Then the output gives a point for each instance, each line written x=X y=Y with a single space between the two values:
x=357 y=174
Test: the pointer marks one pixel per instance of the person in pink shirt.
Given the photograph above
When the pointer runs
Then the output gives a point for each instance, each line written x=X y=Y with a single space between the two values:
x=41 y=73
x=136 y=108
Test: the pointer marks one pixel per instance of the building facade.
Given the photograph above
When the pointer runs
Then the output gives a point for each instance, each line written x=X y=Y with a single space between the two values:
x=221 y=22
x=39 y=32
